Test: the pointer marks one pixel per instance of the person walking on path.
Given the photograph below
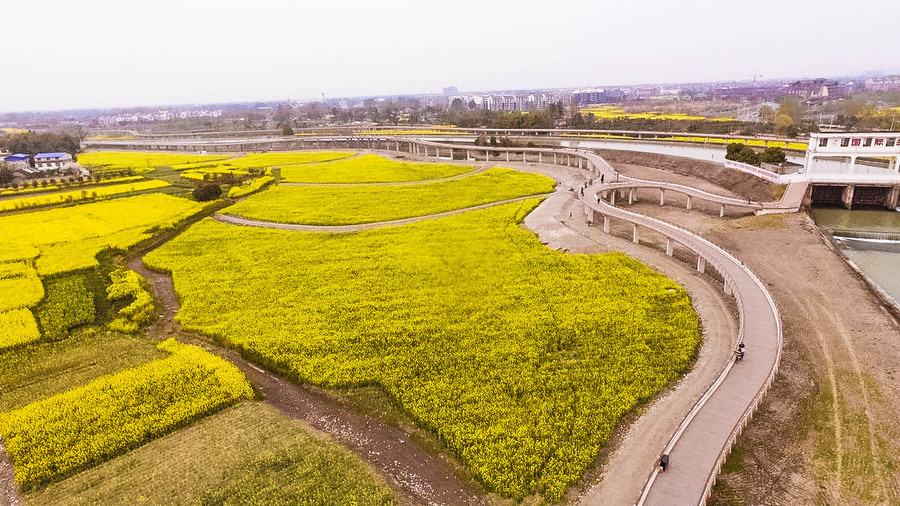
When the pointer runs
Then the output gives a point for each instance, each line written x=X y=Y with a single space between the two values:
x=602 y=177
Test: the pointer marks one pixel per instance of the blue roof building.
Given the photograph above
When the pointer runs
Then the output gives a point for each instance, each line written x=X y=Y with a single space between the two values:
x=18 y=157
x=58 y=156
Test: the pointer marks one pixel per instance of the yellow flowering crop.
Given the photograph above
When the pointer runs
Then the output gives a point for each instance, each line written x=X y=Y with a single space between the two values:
x=62 y=434
x=519 y=358
x=250 y=187
x=129 y=285
x=106 y=161
x=69 y=238
x=343 y=205
x=19 y=286
x=17 y=327
x=95 y=193
x=369 y=169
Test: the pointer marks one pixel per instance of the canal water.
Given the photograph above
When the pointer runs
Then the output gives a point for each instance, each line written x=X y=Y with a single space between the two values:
x=871 y=239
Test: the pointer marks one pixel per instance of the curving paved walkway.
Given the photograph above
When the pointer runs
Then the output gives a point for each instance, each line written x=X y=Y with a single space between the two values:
x=703 y=440
x=344 y=229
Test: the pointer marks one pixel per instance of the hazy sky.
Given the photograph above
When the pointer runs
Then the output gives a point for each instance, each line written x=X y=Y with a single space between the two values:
x=64 y=54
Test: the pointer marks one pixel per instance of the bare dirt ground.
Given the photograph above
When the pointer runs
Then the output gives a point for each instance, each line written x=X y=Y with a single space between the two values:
x=418 y=477
x=827 y=431
x=9 y=492
x=743 y=185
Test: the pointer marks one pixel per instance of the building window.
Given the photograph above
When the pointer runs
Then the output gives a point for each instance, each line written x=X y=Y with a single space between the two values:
x=890 y=142
x=823 y=142
x=868 y=142
x=845 y=142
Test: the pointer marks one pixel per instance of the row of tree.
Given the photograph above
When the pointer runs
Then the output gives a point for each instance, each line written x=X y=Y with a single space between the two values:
x=743 y=153
x=33 y=143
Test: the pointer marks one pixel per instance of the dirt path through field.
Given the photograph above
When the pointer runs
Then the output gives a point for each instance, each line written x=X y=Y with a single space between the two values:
x=345 y=229
x=416 y=475
x=9 y=492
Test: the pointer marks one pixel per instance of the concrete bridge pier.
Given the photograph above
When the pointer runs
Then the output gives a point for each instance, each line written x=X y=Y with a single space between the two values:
x=722 y=211
x=540 y=157
x=689 y=203
x=507 y=156
x=670 y=248
x=606 y=223
x=630 y=196
x=554 y=159
x=893 y=199
x=701 y=265
x=612 y=198
x=634 y=238
x=662 y=197
x=847 y=196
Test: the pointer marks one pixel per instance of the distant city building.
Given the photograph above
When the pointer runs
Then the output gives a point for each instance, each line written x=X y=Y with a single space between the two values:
x=52 y=161
x=889 y=83
x=643 y=93
x=815 y=88
x=450 y=91
x=597 y=96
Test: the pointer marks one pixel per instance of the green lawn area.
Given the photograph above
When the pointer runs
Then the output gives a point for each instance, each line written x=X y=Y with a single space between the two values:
x=347 y=205
x=520 y=359
x=369 y=169
x=247 y=454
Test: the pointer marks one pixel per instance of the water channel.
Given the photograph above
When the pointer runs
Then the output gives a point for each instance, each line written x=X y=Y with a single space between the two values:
x=871 y=239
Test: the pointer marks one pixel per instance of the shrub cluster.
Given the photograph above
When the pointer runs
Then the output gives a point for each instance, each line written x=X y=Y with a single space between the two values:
x=206 y=191
x=740 y=152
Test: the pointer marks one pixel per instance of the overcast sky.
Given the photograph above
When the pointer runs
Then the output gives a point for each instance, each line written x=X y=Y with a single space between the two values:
x=64 y=54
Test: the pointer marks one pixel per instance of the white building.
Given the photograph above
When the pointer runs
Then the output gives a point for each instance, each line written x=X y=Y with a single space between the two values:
x=53 y=161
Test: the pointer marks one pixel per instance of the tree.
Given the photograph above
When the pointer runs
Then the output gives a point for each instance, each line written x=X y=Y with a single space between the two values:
x=790 y=106
x=578 y=120
x=6 y=174
x=783 y=123
x=773 y=155
x=207 y=191
x=456 y=105
x=740 y=152
x=472 y=105
x=766 y=113
x=287 y=131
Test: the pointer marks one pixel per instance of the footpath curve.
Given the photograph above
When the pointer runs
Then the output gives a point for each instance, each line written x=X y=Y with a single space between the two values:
x=698 y=448
x=345 y=229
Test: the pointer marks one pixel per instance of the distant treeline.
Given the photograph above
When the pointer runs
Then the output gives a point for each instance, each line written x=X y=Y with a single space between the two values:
x=552 y=117
x=33 y=143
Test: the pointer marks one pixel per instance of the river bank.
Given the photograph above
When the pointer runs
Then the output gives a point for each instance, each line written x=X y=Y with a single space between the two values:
x=870 y=240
